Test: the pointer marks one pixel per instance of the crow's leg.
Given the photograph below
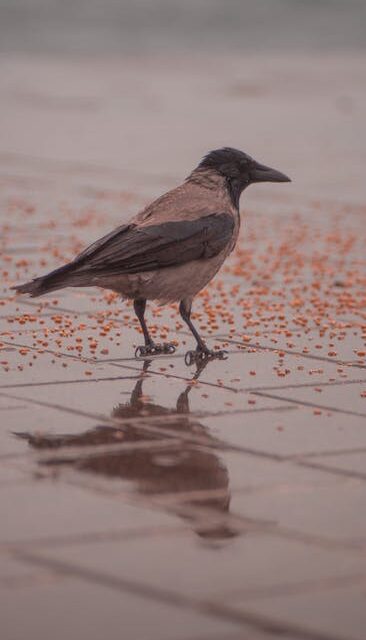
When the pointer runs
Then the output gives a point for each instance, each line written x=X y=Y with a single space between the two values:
x=202 y=352
x=150 y=348
x=139 y=306
x=185 y=311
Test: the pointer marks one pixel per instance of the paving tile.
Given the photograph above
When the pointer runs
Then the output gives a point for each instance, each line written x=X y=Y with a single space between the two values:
x=244 y=370
x=351 y=400
x=344 y=345
x=290 y=431
x=339 y=613
x=8 y=404
x=333 y=512
x=46 y=508
x=251 y=473
x=24 y=417
x=249 y=634
x=95 y=611
x=31 y=322
x=16 y=307
x=351 y=462
x=89 y=306
x=97 y=337
x=246 y=634
x=16 y=574
x=90 y=300
x=119 y=344
x=11 y=474
x=22 y=366
x=208 y=568
x=108 y=386
x=172 y=471
x=176 y=471
x=9 y=324
x=86 y=301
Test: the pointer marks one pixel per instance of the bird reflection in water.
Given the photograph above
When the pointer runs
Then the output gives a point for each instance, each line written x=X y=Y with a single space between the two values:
x=185 y=467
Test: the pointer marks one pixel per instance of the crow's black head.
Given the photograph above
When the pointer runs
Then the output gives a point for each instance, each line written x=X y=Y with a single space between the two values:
x=240 y=170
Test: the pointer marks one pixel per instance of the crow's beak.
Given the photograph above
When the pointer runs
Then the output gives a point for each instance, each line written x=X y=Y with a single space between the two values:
x=261 y=173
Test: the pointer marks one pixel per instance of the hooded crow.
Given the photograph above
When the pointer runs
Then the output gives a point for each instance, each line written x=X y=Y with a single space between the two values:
x=171 y=249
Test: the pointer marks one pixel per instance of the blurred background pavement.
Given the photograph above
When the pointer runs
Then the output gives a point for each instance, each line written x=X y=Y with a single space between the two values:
x=149 y=87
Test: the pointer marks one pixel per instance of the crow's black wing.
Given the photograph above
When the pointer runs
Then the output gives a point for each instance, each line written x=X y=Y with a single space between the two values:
x=134 y=249
x=98 y=245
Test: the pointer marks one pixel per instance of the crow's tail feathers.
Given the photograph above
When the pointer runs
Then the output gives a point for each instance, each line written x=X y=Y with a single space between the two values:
x=45 y=284
x=35 y=288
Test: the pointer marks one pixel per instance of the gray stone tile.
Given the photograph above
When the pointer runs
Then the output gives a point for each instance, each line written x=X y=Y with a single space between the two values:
x=11 y=474
x=175 y=473
x=100 y=396
x=290 y=431
x=338 y=613
x=344 y=345
x=92 y=300
x=352 y=462
x=247 y=634
x=251 y=473
x=45 y=508
x=95 y=611
x=334 y=512
x=96 y=337
x=208 y=567
x=30 y=321
x=171 y=471
x=245 y=370
x=23 y=366
x=16 y=574
x=16 y=307
x=88 y=301
x=36 y=419
x=8 y=404
x=351 y=399
x=86 y=311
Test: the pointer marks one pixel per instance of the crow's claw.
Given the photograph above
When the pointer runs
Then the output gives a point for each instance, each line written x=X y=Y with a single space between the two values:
x=146 y=351
x=169 y=348
x=202 y=355
x=221 y=355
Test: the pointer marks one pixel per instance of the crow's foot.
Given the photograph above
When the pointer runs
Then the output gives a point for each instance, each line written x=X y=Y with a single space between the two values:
x=203 y=355
x=146 y=351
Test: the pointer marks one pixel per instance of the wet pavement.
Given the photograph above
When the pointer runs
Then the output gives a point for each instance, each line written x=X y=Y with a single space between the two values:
x=150 y=500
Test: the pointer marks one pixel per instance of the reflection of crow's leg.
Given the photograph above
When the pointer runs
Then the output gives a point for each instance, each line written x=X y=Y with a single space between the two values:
x=202 y=352
x=137 y=390
x=150 y=348
x=182 y=401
